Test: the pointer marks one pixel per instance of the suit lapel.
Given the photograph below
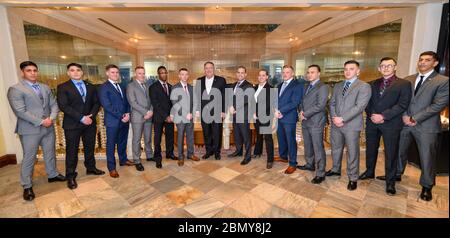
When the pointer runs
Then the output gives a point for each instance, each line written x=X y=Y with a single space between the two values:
x=30 y=91
x=115 y=90
x=354 y=85
x=75 y=91
x=426 y=83
x=288 y=87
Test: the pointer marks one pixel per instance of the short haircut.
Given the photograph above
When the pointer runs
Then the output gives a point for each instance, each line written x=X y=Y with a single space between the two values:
x=183 y=69
x=288 y=67
x=265 y=71
x=242 y=67
x=27 y=63
x=139 y=67
x=208 y=62
x=314 y=66
x=74 y=64
x=351 y=62
x=161 y=67
x=111 y=66
x=388 y=58
x=431 y=53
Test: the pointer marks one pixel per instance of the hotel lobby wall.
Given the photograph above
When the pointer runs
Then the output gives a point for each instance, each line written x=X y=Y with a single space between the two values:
x=14 y=50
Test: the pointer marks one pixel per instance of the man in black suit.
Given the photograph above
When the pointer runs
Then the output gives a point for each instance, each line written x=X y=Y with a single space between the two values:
x=78 y=100
x=160 y=99
x=390 y=98
x=263 y=116
x=211 y=89
x=243 y=93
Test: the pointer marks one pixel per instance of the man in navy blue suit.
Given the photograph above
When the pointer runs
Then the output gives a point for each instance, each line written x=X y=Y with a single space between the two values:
x=290 y=94
x=115 y=105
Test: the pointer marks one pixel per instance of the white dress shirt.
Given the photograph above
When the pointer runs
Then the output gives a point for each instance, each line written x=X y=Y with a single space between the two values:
x=260 y=88
x=424 y=78
x=208 y=84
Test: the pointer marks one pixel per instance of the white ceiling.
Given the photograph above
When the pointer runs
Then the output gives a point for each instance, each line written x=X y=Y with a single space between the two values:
x=294 y=16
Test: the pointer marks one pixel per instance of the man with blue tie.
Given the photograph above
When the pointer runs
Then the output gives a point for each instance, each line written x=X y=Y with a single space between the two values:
x=347 y=105
x=36 y=111
x=79 y=102
x=114 y=101
x=290 y=94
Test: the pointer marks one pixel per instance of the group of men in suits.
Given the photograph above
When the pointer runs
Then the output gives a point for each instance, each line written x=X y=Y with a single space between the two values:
x=398 y=110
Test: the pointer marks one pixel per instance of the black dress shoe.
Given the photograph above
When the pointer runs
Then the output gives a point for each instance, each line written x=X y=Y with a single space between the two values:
x=95 y=171
x=217 y=157
x=269 y=165
x=332 y=173
x=158 y=164
x=235 y=154
x=365 y=176
x=58 y=178
x=397 y=178
x=151 y=159
x=172 y=157
x=390 y=189
x=317 y=180
x=426 y=194
x=139 y=167
x=304 y=167
x=245 y=161
x=352 y=185
x=28 y=194
x=72 y=183
x=256 y=156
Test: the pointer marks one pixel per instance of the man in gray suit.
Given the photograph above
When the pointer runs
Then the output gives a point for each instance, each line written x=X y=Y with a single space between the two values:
x=422 y=120
x=182 y=113
x=141 y=114
x=36 y=110
x=347 y=105
x=313 y=115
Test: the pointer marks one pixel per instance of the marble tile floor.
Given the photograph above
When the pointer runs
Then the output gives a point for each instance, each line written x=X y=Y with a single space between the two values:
x=224 y=188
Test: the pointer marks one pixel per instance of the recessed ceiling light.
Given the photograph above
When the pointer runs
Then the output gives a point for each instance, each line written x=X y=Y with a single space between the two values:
x=63 y=57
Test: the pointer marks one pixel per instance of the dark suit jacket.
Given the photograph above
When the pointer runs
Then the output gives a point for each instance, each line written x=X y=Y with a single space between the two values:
x=218 y=83
x=391 y=104
x=242 y=108
x=264 y=96
x=289 y=101
x=70 y=102
x=113 y=104
x=160 y=101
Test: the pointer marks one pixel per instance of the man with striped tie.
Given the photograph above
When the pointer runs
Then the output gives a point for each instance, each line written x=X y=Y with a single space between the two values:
x=78 y=101
x=347 y=105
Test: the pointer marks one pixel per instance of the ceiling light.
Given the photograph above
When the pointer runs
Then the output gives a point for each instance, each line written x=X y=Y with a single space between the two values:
x=63 y=57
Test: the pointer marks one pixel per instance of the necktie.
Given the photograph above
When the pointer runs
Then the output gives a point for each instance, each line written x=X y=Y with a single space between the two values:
x=283 y=87
x=38 y=92
x=186 y=90
x=237 y=86
x=346 y=86
x=118 y=89
x=384 y=86
x=82 y=93
x=309 y=88
x=165 y=88
x=419 y=84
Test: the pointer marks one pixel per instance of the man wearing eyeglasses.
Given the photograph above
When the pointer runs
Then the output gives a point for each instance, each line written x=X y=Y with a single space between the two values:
x=390 y=98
